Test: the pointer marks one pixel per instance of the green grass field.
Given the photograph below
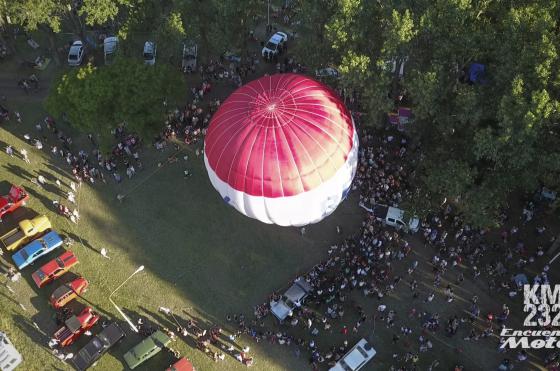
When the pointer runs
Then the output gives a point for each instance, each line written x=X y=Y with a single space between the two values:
x=203 y=259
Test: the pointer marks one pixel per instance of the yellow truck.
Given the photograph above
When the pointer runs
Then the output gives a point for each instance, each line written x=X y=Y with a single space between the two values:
x=25 y=232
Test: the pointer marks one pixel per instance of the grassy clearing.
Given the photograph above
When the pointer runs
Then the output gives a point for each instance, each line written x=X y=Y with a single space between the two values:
x=201 y=257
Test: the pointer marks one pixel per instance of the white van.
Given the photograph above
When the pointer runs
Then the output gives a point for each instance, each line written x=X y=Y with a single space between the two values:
x=356 y=358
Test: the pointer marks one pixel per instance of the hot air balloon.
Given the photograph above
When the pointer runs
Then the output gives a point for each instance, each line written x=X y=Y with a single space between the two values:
x=282 y=149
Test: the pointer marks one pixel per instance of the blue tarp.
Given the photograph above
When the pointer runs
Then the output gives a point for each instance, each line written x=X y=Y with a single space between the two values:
x=477 y=73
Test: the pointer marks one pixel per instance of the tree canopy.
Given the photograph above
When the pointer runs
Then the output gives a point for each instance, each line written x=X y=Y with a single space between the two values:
x=96 y=100
x=480 y=142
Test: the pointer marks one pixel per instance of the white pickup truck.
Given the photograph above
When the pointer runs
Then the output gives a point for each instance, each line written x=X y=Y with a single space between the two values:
x=394 y=217
x=291 y=299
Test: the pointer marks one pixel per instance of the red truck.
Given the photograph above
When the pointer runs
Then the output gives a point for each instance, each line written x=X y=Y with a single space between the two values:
x=14 y=199
x=75 y=326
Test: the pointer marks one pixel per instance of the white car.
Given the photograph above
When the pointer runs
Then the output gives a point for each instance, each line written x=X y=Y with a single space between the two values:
x=110 y=46
x=274 y=45
x=76 y=53
x=356 y=358
x=150 y=49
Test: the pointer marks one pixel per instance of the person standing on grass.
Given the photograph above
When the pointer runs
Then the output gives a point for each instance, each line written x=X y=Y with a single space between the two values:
x=10 y=151
x=23 y=153
x=41 y=179
x=104 y=253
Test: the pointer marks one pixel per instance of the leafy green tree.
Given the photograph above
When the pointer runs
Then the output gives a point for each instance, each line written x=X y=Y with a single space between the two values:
x=95 y=100
x=479 y=142
x=31 y=14
x=218 y=25
x=169 y=35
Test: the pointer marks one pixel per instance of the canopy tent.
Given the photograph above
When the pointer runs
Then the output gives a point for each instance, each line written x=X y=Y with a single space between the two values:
x=282 y=149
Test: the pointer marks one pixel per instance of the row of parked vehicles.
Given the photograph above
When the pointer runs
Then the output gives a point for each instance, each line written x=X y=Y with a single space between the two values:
x=34 y=238
x=77 y=52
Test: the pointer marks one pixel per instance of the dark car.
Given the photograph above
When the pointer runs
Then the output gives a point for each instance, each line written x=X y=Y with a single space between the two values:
x=98 y=346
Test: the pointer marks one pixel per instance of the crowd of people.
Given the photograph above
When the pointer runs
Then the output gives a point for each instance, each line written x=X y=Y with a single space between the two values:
x=377 y=263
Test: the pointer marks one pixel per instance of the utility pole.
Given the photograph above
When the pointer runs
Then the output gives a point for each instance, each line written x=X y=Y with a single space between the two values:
x=268 y=16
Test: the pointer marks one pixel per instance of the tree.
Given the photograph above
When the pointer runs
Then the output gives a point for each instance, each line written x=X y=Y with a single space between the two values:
x=218 y=25
x=482 y=141
x=32 y=14
x=170 y=34
x=95 y=100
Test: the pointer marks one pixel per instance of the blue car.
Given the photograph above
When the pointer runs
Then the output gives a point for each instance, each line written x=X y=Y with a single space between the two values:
x=36 y=249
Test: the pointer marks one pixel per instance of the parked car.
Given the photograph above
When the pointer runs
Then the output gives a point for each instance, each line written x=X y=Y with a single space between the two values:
x=183 y=364
x=150 y=50
x=356 y=358
x=327 y=72
x=275 y=45
x=110 y=47
x=547 y=195
x=232 y=57
x=25 y=231
x=75 y=326
x=68 y=292
x=394 y=217
x=292 y=298
x=36 y=249
x=148 y=348
x=76 y=53
x=98 y=346
x=190 y=54
x=54 y=269
x=13 y=200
